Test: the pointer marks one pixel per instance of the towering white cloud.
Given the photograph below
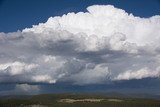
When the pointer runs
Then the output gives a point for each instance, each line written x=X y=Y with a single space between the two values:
x=16 y=68
x=105 y=43
x=104 y=21
x=139 y=74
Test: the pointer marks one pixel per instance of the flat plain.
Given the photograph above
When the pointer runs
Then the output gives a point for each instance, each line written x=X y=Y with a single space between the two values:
x=76 y=100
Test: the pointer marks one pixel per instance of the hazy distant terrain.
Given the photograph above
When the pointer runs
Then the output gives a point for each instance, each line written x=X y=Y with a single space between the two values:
x=76 y=100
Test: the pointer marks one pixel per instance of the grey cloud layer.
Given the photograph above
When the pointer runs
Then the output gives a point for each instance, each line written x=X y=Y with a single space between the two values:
x=103 y=44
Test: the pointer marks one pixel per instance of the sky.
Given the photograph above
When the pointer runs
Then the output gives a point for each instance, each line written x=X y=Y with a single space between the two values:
x=79 y=46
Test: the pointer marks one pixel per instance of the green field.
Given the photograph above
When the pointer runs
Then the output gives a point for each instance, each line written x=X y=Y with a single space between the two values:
x=76 y=100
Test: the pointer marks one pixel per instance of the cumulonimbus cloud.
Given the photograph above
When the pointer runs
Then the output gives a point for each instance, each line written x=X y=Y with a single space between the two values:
x=103 y=44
